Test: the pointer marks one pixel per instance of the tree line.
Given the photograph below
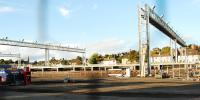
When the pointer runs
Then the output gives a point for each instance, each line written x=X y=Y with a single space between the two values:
x=131 y=55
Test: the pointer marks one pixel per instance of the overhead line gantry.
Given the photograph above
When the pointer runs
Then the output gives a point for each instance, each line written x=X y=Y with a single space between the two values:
x=147 y=15
x=47 y=47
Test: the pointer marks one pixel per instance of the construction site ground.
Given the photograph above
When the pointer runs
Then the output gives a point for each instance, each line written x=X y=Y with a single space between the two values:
x=108 y=88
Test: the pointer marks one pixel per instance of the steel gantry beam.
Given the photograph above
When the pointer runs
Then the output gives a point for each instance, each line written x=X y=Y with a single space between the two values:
x=145 y=16
x=40 y=46
x=46 y=47
x=10 y=55
x=160 y=24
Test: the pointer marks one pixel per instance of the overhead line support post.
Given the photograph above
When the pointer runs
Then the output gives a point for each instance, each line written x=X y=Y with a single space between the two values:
x=176 y=52
x=148 y=40
x=19 y=60
x=139 y=39
x=46 y=57
x=84 y=58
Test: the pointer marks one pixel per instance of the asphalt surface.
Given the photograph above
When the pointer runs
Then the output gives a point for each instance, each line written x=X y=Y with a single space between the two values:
x=104 y=89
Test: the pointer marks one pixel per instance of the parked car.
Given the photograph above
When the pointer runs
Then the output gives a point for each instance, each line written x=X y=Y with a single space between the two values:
x=15 y=77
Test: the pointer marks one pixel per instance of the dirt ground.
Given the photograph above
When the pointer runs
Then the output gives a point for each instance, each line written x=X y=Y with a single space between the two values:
x=45 y=88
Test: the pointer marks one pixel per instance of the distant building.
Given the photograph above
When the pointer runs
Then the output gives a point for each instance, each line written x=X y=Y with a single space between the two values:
x=194 y=47
x=189 y=58
x=192 y=55
x=109 y=62
x=161 y=59
x=125 y=61
x=167 y=59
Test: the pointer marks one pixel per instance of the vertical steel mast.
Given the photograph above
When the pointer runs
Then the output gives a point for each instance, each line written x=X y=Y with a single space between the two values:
x=147 y=16
x=144 y=39
x=148 y=40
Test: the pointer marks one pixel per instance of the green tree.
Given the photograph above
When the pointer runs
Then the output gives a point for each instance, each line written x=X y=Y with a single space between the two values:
x=94 y=58
x=99 y=58
x=165 y=51
x=155 y=51
x=2 y=61
x=54 y=61
x=35 y=62
x=119 y=59
x=133 y=56
x=64 y=62
x=8 y=61
x=78 y=60
x=198 y=49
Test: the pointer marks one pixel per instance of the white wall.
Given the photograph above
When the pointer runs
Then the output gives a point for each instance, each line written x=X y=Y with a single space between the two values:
x=167 y=59
x=189 y=58
x=125 y=61
x=109 y=62
x=164 y=59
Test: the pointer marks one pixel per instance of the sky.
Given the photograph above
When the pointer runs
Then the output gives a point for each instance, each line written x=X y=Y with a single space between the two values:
x=100 y=26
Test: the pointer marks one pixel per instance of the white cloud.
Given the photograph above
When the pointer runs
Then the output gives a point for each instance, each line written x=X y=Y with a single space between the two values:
x=24 y=52
x=7 y=9
x=110 y=45
x=64 y=11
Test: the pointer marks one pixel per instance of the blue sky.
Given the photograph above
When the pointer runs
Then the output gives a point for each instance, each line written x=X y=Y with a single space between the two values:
x=103 y=26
